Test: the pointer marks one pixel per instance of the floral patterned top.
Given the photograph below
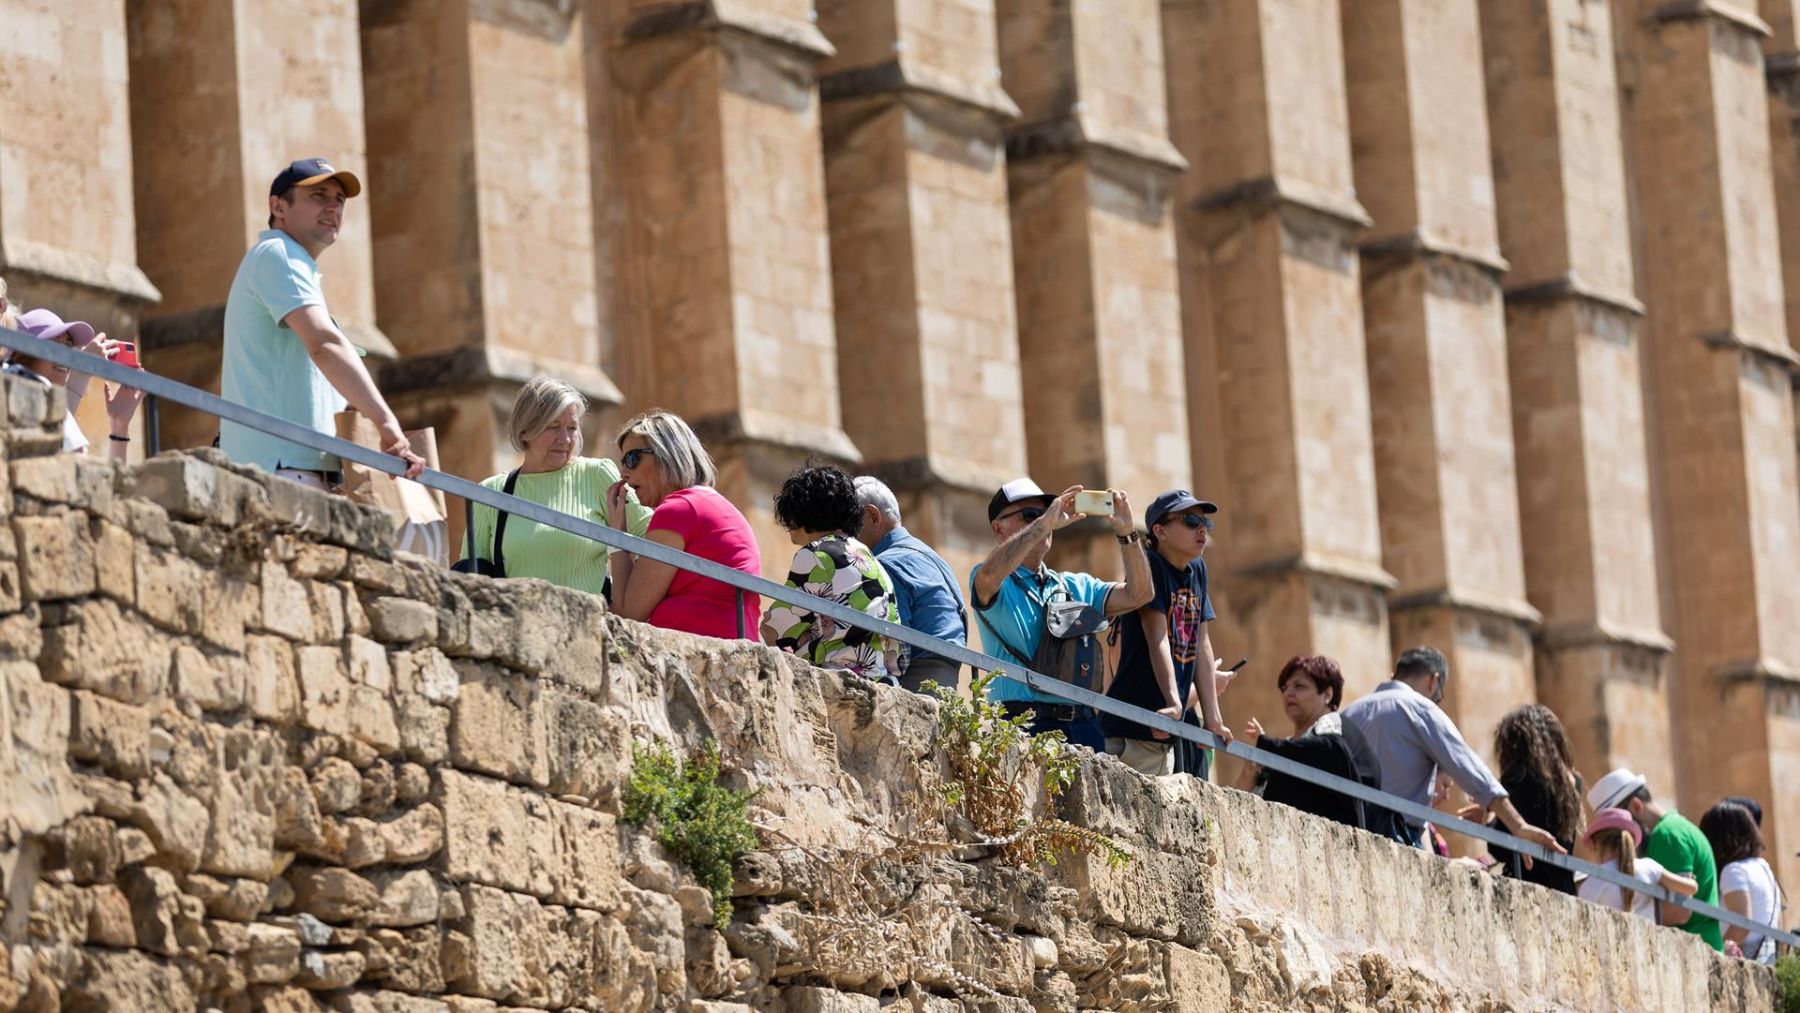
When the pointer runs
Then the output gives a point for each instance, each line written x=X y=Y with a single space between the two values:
x=841 y=570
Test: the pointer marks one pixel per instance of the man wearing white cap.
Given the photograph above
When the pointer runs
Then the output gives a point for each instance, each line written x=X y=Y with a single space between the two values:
x=1672 y=840
x=284 y=354
x=1012 y=589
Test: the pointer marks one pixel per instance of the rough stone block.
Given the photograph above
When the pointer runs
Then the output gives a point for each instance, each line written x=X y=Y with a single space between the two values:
x=1197 y=979
x=369 y=664
x=428 y=673
x=324 y=689
x=127 y=980
x=215 y=684
x=111 y=652
x=414 y=836
x=498 y=725
x=372 y=719
x=56 y=557
x=286 y=608
x=328 y=971
x=521 y=952
x=186 y=487
x=51 y=479
x=327 y=603
x=114 y=735
x=313 y=561
x=271 y=689
x=408 y=898
x=589 y=747
x=497 y=835
x=170 y=589
x=403 y=621
x=249 y=772
x=807 y=999
x=333 y=895
x=115 y=563
x=28 y=404
x=230 y=604
x=88 y=846
x=109 y=918
x=424 y=730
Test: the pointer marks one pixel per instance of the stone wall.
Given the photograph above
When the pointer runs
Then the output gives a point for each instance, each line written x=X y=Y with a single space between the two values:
x=253 y=760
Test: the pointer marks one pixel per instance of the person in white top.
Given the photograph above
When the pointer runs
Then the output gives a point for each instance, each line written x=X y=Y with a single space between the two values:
x=1746 y=883
x=1614 y=838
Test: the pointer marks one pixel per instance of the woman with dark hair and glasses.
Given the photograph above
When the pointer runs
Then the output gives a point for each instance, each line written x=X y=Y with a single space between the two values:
x=819 y=509
x=663 y=462
x=1746 y=883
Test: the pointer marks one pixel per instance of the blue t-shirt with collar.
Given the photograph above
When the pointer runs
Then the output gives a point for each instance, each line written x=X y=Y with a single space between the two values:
x=1016 y=616
x=266 y=365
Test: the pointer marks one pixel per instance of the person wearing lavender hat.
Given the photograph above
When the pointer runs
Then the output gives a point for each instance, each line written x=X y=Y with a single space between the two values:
x=121 y=401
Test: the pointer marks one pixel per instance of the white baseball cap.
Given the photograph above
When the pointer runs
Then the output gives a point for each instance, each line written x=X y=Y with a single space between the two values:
x=1613 y=789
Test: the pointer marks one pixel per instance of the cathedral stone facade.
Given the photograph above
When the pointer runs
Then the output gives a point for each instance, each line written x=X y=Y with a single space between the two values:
x=1474 y=317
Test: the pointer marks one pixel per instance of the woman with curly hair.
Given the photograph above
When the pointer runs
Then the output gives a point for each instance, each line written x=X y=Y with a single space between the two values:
x=1537 y=770
x=819 y=509
x=1746 y=883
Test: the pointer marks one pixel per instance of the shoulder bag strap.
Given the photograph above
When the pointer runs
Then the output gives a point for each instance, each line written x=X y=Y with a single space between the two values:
x=469 y=526
x=500 y=526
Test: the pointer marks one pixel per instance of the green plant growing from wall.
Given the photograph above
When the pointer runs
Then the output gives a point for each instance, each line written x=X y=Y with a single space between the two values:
x=1787 y=983
x=991 y=760
x=702 y=822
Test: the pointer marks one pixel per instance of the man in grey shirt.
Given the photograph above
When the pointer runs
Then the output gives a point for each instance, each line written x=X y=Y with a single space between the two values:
x=1413 y=738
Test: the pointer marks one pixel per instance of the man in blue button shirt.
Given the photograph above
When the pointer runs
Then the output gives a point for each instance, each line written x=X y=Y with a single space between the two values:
x=924 y=586
x=1010 y=588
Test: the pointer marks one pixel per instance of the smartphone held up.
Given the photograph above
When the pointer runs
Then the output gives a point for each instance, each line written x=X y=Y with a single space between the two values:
x=125 y=354
x=1094 y=502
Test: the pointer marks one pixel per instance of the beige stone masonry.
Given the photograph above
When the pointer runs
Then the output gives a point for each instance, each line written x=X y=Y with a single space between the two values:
x=1277 y=374
x=1720 y=397
x=174 y=837
x=1089 y=173
x=1577 y=390
x=1436 y=332
x=921 y=253
x=485 y=268
x=223 y=96
x=729 y=317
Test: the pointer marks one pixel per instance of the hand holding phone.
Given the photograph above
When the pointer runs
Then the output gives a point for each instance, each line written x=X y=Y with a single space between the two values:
x=1094 y=502
x=124 y=353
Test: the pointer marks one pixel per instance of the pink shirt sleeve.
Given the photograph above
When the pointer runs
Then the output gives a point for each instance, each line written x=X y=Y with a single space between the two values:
x=676 y=513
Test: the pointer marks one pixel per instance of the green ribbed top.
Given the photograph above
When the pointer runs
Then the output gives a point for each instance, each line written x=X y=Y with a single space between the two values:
x=535 y=550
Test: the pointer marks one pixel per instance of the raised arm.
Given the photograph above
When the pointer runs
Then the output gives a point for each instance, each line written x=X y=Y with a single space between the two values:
x=1138 y=587
x=1012 y=553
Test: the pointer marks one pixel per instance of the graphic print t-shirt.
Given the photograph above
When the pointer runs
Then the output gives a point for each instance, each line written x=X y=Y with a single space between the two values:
x=1181 y=596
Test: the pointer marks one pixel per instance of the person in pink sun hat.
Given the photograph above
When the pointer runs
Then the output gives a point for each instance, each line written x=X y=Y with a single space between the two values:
x=1614 y=838
x=121 y=401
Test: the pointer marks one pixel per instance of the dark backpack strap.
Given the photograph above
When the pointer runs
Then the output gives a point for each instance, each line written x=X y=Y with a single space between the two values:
x=469 y=527
x=500 y=528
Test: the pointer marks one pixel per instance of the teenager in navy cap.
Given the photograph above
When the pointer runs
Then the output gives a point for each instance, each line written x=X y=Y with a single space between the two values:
x=283 y=353
x=1166 y=661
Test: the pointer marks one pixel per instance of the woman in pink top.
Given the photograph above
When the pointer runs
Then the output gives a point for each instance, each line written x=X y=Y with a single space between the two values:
x=663 y=461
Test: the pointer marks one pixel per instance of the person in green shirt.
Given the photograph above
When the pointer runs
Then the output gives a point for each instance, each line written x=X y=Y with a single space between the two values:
x=1673 y=841
x=546 y=429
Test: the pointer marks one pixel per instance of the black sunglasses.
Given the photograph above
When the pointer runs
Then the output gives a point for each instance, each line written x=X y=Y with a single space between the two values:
x=1197 y=521
x=1030 y=514
x=632 y=458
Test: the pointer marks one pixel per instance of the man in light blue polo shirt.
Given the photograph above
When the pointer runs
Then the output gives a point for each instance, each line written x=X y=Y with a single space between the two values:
x=1010 y=588
x=283 y=353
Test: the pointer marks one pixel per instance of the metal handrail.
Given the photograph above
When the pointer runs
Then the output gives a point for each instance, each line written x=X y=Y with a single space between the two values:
x=212 y=404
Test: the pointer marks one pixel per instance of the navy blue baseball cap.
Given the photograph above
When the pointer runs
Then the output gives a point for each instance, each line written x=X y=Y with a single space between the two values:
x=310 y=171
x=1174 y=501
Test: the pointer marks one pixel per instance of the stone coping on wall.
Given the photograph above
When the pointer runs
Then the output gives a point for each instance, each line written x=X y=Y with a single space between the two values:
x=257 y=760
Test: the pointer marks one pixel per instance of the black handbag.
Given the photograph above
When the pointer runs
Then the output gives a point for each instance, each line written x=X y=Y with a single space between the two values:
x=495 y=567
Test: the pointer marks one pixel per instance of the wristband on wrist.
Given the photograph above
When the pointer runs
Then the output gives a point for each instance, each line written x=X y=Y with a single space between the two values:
x=119 y=439
x=1135 y=536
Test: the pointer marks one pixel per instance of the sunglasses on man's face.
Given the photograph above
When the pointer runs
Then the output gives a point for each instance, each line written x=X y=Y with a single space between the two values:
x=1197 y=521
x=1030 y=514
x=632 y=458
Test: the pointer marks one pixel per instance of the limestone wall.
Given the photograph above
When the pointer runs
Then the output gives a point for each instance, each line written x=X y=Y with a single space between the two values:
x=253 y=761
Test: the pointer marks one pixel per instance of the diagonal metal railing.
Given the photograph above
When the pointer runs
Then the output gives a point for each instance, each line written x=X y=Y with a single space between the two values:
x=182 y=394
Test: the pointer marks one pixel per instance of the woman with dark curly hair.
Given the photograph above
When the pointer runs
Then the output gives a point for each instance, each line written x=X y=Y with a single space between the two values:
x=819 y=509
x=1746 y=883
x=1538 y=772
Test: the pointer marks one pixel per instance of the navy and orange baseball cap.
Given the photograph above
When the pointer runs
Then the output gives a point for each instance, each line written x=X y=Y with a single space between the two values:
x=310 y=171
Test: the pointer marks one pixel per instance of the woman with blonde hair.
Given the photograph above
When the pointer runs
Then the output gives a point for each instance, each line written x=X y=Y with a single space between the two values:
x=664 y=464
x=1613 y=839
x=545 y=429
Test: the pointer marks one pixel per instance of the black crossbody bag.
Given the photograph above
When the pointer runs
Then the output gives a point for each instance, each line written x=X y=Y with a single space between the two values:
x=495 y=567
